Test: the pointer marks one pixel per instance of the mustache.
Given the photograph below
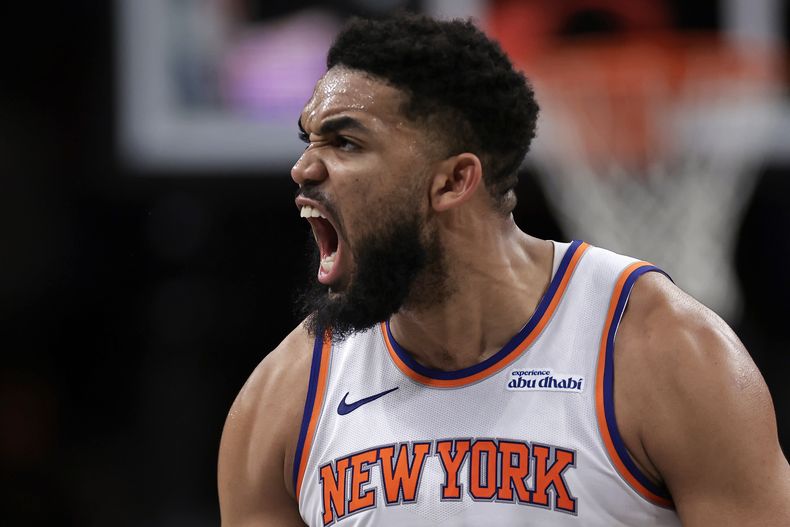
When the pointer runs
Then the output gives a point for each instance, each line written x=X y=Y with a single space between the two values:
x=311 y=192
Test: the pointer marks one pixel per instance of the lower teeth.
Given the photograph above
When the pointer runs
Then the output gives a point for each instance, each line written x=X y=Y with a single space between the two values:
x=328 y=262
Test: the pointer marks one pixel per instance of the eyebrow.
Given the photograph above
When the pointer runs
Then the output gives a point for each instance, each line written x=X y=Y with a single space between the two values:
x=331 y=126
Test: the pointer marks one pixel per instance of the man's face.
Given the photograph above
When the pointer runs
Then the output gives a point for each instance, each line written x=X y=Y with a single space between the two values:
x=364 y=180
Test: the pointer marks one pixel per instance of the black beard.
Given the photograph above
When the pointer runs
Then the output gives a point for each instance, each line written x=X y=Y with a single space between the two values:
x=393 y=268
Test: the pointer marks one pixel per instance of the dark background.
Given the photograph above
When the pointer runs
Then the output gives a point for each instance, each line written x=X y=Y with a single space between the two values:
x=133 y=306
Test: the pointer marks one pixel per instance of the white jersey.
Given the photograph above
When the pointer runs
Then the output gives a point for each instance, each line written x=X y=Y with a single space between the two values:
x=526 y=437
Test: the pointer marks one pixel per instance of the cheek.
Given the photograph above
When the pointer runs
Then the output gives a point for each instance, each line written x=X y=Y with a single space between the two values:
x=368 y=189
x=358 y=207
x=365 y=210
x=368 y=193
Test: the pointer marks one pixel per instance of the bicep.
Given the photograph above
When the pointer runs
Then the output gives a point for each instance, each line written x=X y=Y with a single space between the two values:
x=250 y=481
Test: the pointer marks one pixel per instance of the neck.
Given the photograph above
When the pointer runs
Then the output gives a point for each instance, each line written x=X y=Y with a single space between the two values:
x=497 y=275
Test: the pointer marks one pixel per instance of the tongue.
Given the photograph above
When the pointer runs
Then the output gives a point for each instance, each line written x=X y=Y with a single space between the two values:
x=325 y=236
x=329 y=247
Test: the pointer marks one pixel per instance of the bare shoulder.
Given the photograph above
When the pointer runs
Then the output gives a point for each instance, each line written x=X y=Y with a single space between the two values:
x=276 y=389
x=260 y=435
x=695 y=410
x=671 y=333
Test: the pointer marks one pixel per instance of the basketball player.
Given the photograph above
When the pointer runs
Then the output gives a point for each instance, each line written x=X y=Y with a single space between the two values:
x=454 y=370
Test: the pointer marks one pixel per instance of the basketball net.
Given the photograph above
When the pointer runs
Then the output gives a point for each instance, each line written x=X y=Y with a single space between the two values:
x=651 y=147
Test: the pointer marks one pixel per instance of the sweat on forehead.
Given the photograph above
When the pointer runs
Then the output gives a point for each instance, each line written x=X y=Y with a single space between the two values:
x=346 y=91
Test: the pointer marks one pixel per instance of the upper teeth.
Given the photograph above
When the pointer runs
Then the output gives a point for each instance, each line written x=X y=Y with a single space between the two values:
x=309 y=212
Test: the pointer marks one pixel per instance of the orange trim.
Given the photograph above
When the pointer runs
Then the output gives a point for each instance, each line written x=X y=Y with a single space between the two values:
x=600 y=411
x=505 y=361
x=315 y=413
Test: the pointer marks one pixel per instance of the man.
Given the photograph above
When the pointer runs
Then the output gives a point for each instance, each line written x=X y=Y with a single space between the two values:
x=454 y=370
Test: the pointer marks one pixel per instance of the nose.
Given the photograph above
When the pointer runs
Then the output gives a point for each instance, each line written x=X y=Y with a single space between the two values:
x=309 y=168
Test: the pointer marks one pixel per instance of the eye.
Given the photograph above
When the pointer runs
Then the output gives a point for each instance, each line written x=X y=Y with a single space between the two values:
x=344 y=143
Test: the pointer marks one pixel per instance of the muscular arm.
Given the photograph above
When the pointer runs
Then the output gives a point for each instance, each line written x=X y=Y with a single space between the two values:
x=259 y=439
x=696 y=412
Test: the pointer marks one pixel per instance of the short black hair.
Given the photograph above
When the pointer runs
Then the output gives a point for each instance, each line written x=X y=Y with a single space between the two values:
x=456 y=78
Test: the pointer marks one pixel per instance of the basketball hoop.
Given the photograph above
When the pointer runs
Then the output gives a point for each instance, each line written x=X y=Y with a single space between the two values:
x=649 y=146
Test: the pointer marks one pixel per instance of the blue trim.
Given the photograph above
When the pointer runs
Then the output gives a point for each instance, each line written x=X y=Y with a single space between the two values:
x=315 y=370
x=608 y=384
x=509 y=347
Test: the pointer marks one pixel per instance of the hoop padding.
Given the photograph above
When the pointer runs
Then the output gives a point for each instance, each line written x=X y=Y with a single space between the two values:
x=615 y=96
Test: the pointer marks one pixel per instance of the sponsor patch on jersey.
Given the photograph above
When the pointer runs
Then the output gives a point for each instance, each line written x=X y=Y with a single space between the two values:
x=544 y=379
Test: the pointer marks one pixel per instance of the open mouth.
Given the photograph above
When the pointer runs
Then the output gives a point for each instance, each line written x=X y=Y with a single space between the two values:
x=329 y=244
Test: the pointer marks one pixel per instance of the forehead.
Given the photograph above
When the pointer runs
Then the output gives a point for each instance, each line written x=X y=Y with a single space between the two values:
x=347 y=91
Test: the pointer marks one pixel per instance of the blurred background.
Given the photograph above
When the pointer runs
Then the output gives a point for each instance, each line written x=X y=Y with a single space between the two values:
x=150 y=247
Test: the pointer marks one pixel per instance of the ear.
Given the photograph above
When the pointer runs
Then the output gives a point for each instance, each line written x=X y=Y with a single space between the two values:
x=456 y=181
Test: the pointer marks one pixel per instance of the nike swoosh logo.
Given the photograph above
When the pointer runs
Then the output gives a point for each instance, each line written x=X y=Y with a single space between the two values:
x=343 y=408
